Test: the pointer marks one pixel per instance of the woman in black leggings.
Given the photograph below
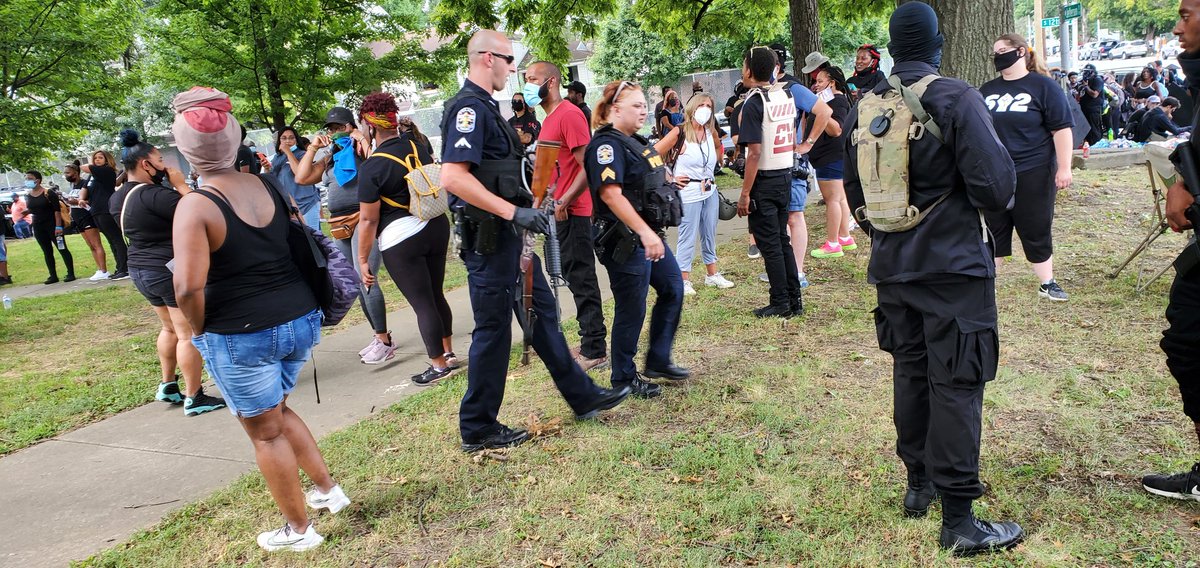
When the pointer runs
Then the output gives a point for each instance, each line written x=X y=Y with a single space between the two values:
x=414 y=251
x=47 y=224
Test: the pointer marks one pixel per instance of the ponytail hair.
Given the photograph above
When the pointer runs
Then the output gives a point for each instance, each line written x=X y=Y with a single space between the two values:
x=134 y=148
x=1033 y=62
x=608 y=98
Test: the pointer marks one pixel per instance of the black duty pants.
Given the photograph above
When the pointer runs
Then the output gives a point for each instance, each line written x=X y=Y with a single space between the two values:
x=768 y=223
x=112 y=233
x=1181 y=341
x=494 y=283
x=44 y=233
x=945 y=347
x=1093 y=118
x=579 y=268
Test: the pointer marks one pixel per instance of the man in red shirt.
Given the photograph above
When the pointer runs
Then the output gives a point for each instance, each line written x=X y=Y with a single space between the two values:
x=565 y=123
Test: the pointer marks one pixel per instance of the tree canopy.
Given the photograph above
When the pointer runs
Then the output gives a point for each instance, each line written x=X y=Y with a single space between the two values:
x=58 y=59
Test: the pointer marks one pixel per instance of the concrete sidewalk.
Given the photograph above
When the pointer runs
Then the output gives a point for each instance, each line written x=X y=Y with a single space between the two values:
x=39 y=290
x=81 y=492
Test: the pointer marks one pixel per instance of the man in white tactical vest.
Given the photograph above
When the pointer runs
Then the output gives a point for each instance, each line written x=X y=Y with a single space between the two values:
x=768 y=131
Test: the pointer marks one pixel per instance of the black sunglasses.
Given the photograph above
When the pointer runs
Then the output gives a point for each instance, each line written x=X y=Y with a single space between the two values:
x=506 y=58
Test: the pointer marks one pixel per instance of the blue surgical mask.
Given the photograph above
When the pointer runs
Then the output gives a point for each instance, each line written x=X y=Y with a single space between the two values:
x=294 y=148
x=30 y=184
x=532 y=94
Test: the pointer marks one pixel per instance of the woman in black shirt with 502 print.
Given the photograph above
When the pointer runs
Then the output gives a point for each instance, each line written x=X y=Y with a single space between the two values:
x=1032 y=119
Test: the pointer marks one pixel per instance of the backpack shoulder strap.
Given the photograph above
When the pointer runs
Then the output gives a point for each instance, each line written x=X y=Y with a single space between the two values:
x=406 y=163
x=912 y=99
x=125 y=203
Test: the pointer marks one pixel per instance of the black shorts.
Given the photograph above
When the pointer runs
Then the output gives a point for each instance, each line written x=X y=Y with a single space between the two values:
x=158 y=286
x=82 y=218
x=1032 y=216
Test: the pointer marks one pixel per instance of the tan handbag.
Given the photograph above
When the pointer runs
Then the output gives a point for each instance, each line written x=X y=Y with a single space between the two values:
x=342 y=226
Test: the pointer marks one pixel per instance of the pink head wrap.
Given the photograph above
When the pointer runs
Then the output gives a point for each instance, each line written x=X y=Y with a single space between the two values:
x=205 y=131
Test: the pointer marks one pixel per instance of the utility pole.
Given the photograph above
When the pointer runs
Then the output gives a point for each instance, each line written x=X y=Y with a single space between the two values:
x=1041 y=32
x=1064 y=44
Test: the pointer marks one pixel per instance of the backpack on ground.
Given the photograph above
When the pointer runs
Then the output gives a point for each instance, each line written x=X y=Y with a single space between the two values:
x=887 y=124
x=426 y=198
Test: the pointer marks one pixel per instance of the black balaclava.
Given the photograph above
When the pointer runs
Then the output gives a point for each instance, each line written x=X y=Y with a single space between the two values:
x=914 y=35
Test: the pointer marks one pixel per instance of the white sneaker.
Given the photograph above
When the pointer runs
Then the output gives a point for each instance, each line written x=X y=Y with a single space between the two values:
x=286 y=539
x=335 y=500
x=718 y=280
x=688 y=290
x=379 y=353
x=374 y=341
x=100 y=275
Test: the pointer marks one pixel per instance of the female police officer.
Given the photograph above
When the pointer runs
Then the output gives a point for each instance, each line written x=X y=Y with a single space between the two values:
x=637 y=202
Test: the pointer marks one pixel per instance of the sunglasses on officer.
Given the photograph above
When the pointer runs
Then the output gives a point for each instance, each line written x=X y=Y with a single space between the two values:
x=506 y=58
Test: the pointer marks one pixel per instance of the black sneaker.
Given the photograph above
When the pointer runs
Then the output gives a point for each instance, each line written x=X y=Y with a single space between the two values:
x=51 y=280
x=201 y=403
x=1185 y=485
x=1053 y=292
x=69 y=278
x=119 y=275
x=980 y=537
x=639 y=387
x=501 y=437
x=431 y=375
x=169 y=392
x=773 y=312
x=797 y=306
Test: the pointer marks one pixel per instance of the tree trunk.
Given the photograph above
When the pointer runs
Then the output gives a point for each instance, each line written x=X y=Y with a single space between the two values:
x=970 y=28
x=806 y=32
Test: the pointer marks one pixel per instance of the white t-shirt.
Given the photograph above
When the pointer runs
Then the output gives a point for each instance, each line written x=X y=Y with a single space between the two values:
x=697 y=161
x=399 y=231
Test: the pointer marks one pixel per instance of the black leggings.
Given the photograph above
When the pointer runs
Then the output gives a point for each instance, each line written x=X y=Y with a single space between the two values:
x=418 y=265
x=112 y=233
x=1032 y=216
x=45 y=238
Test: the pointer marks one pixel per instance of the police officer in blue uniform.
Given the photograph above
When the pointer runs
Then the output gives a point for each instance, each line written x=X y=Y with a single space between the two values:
x=635 y=202
x=937 y=286
x=482 y=169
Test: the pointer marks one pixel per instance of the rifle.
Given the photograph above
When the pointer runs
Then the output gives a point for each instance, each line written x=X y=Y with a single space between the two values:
x=545 y=157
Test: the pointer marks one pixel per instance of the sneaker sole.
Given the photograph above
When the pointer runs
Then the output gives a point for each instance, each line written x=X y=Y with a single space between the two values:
x=849 y=247
x=830 y=255
x=609 y=406
x=169 y=400
x=1179 y=496
x=293 y=547
x=1051 y=298
x=380 y=361
x=472 y=448
x=333 y=508
x=201 y=410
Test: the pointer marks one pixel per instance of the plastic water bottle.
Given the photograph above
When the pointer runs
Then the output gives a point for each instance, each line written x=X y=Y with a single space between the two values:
x=7 y=302
x=60 y=242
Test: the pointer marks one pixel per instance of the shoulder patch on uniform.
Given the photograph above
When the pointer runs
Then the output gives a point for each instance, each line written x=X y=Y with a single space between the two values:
x=604 y=155
x=462 y=144
x=464 y=121
x=608 y=174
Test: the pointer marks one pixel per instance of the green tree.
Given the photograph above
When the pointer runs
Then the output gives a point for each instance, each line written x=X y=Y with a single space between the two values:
x=58 y=58
x=284 y=61
x=545 y=24
x=1138 y=18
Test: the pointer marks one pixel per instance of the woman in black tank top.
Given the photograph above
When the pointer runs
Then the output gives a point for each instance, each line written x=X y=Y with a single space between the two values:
x=258 y=320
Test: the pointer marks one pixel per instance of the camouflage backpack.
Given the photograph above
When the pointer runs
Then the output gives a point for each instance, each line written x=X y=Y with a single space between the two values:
x=887 y=124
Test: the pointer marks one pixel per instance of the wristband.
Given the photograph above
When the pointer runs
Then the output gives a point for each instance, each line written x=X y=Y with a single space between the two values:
x=58 y=228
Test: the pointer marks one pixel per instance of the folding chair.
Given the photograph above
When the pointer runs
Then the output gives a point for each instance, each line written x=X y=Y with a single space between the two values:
x=1162 y=175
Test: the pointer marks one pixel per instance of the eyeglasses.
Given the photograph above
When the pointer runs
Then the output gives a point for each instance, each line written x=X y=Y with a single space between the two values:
x=506 y=58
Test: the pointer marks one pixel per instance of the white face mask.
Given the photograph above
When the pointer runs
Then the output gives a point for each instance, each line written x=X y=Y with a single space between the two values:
x=826 y=94
x=702 y=116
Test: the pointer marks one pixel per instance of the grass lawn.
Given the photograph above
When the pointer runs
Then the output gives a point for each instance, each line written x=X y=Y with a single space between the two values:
x=71 y=359
x=780 y=450
x=26 y=264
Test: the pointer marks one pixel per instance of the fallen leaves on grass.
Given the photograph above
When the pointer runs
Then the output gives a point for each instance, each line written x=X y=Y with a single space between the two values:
x=538 y=429
x=496 y=454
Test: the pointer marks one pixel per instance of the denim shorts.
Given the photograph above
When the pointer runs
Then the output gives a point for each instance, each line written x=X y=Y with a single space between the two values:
x=799 y=195
x=157 y=286
x=829 y=172
x=256 y=370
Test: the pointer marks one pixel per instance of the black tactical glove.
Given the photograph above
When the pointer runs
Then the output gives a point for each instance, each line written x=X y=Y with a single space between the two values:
x=531 y=219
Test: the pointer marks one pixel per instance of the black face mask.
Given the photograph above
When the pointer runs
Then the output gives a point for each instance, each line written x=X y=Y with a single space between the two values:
x=1005 y=60
x=158 y=176
x=518 y=106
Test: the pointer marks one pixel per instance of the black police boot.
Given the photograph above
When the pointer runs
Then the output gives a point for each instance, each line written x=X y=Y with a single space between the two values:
x=797 y=306
x=501 y=437
x=670 y=371
x=919 y=495
x=773 y=311
x=638 y=387
x=605 y=399
x=964 y=535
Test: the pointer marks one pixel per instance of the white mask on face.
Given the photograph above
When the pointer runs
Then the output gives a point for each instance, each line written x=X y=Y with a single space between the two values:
x=702 y=115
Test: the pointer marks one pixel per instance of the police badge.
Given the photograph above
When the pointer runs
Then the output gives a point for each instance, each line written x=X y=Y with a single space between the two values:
x=604 y=154
x=465 y=120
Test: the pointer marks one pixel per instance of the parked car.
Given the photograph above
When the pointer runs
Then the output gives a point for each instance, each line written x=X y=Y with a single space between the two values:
x=1171 y=50
x=1136 y=48
x=1087 y=51
x=1104 y=50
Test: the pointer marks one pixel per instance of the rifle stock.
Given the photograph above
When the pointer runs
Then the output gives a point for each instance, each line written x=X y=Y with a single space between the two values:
x=545 y=159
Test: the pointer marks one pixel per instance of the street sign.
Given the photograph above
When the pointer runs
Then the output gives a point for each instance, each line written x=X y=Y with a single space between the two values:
x=1072 y=11
x=1050 y=23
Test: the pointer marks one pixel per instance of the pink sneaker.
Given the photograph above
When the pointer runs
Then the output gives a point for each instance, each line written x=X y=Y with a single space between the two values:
x=828 y=250
x=847 y=243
